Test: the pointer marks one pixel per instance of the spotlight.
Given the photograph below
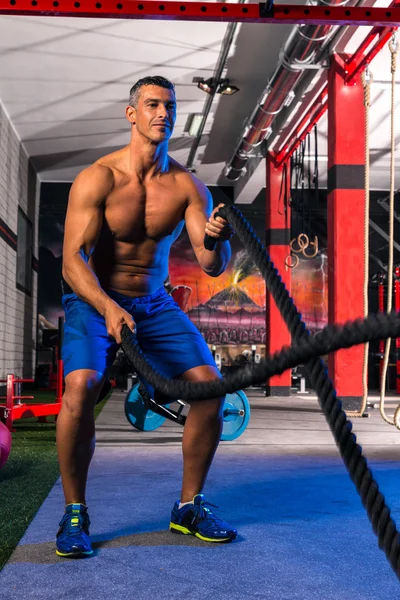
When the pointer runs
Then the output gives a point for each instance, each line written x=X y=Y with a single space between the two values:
x=207 y=85
x=211 y=86
x=226 y=89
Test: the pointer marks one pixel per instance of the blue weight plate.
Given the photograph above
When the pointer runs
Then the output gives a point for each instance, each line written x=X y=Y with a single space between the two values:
x=236 y=415
x=138 y=414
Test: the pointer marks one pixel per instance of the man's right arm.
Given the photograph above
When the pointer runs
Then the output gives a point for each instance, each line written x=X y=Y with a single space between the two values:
x=82 y=229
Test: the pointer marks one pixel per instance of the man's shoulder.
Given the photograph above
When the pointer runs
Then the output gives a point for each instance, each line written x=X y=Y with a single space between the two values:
x=110 y=163
x=105 y=167
x=187 y=178
x=97 y=180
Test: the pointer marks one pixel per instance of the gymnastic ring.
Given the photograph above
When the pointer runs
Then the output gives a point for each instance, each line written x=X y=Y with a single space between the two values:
x=314 y=254
x=302 y=245
x=295 y=259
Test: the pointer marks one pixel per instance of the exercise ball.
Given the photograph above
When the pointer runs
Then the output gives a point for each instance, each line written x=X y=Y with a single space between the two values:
x=5 y=444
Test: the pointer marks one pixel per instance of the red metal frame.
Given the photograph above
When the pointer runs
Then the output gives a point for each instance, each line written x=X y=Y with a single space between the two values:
x=12 y=411
x=199 y=11
x=60 y=380
x=360 y=60
x=278 y=220
x=353 y=66
x=318 y=108
x=345 y=213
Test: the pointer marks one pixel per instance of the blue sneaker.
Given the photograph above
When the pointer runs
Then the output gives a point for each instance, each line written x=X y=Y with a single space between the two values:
x=197 y=519
x=73 y=536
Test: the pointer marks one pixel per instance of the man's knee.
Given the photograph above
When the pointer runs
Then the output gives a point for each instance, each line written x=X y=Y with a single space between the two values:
x=82 y=389
x=213 y=406
x=210 y=408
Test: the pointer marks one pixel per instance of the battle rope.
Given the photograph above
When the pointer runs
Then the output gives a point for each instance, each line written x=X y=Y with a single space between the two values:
x=393 y=47
x=351 y=452
x=329 y=339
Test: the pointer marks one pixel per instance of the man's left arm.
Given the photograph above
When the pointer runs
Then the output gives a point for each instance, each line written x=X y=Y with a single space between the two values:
x=200 y=220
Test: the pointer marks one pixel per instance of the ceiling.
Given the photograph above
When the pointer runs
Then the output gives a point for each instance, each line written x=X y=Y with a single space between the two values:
x=64 y=84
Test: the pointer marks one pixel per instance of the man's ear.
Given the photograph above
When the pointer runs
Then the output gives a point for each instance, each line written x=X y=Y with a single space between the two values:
x=130 y=113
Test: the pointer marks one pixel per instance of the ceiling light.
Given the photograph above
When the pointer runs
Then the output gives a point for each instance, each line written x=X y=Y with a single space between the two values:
x=207 y=85
x=211 y=86
x=226 y=89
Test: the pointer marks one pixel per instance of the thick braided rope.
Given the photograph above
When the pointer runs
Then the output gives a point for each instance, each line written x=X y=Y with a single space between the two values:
x=329 y=339
x=356 y=464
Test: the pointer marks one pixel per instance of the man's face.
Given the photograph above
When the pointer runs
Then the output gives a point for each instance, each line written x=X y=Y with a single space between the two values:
x=155 y=113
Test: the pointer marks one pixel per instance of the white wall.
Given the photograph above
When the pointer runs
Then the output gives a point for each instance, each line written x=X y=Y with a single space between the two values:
x=18 y=313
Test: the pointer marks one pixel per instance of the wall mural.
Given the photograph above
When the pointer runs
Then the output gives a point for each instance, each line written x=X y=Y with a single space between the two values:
x=228 y=310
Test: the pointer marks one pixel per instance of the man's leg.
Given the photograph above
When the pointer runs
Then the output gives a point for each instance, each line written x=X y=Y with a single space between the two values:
x=76 y=433
x=200 y=440
x=75 y=445
x=201 y=434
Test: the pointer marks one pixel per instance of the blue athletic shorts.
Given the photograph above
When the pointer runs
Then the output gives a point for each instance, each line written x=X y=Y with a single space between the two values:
x=165 y=334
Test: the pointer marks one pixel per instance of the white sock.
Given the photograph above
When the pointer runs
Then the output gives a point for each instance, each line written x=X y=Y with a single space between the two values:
x=184 y=503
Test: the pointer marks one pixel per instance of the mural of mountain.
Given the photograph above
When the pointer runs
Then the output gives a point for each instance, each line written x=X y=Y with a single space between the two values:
x=230 y=317
x=232 y=299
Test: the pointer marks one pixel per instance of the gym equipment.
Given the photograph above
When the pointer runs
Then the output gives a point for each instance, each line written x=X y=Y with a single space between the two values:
x=146 y=415
x=5 y=444
x=14 y=409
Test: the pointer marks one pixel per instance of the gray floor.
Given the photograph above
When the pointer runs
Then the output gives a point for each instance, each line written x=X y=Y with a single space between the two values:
x=303 y=531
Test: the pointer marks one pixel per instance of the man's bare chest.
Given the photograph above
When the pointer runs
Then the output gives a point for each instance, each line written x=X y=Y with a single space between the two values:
x=136 y=213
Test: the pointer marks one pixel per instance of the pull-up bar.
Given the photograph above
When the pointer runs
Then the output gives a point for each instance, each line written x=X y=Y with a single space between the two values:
x=209 y=11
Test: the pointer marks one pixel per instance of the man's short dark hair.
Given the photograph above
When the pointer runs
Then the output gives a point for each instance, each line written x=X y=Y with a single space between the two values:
x=151 y=80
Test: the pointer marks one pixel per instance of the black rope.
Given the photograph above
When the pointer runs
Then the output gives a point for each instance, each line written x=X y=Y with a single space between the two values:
x=305 y=348
x=330 y=339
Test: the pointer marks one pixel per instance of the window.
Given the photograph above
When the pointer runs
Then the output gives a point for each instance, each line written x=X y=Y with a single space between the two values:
x=24 y=253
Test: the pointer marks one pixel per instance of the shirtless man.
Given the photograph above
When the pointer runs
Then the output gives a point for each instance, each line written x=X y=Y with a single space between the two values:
x=124 y=213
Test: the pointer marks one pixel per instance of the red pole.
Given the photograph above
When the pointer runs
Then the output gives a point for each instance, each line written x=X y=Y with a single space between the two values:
x=10 y=401
x=345 y=225
x=60 y=380
x=277 y=244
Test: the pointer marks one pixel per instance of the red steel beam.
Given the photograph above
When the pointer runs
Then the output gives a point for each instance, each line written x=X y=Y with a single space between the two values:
x=360 y=60
x=26 y=411
x=353 y=66
x=210 y=11
x=317 y=109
